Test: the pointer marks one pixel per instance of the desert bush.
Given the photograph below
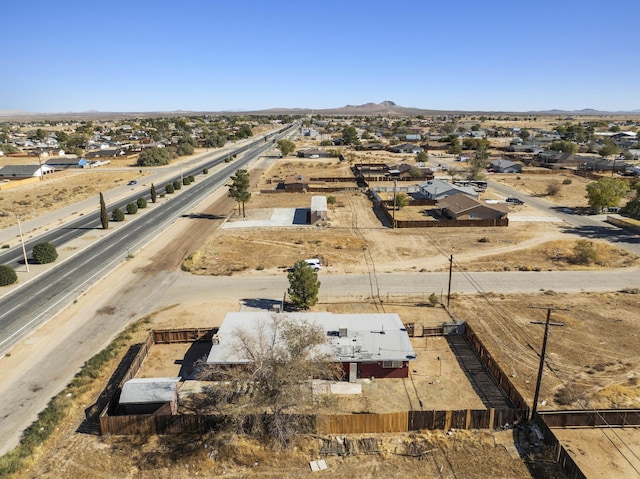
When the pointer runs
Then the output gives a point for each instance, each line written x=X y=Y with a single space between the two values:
x=567 y=181
x=331 y=200
x=7 y=275
x=117 y=215
x=553 y=188
x=142 y=203
x=584 y=252
x=44 y=253
x=484 y=239
x=132 y=208
x=205 y=171
x=433 y=299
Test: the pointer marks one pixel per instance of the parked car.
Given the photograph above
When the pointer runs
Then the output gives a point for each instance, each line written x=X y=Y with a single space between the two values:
x=132 y=182
x=315 y=263
x=514 y=201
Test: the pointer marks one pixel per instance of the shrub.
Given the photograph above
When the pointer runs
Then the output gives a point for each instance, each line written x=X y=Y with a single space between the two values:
x=177 y=185
x=7 y=275
x=186 y=181
x=553 y=188
x=205 y=171
x=584 y=252
x=5 y=246
x=132 y=208
x=567 y=181
x=142 y=203
x=484 y=239
x=117 y=215
x=191 y=179
x=331 y=200
x=44 y=253
x=433 y=299
x=169 y=189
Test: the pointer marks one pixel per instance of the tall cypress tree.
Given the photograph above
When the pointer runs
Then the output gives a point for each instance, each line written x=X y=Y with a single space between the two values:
x=104 y=216
x=154 y=193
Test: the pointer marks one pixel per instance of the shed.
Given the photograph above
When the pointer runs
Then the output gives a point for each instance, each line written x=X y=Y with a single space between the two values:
x=319 y=210
x=149 y=396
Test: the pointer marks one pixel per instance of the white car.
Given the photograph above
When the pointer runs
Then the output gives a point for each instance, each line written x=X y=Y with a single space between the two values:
x=315 y=263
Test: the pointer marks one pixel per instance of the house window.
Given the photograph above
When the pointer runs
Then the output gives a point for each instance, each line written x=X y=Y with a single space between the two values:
x=473 y=216
x=391 y=364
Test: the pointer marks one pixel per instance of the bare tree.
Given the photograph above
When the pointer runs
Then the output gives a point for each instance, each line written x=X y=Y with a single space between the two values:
x=269 y=394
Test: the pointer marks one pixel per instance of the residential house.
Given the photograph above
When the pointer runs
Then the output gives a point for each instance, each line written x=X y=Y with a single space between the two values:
x=463 y=207
x=26 y=171
x=313 y=153
x=295 y=183
x=405 y=148
x=437 y=190
x=366 y=345
x=106 y=153
x=506 y=166
x=149 y=396
x=69 y=163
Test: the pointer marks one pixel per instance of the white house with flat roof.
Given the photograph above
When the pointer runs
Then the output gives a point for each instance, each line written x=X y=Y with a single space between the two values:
x=367 y=345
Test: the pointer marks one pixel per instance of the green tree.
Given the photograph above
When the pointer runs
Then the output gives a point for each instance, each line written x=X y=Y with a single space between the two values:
x=169 y=189
x=632 y=208
x=350 y=136
x=564 y=146
x=142 y=203
x=609 y=148
x=449 y=127
x=9 y=149
x=606 y=193
x=104 y=216
x=454 y=145
x=401 y=200
x=239 y=189
x=117 y=215
x=177 y=185
x=286 y=147
x=524 y=134
x=7 y=275
x=303 y=285
x=422 y=157
x=132 y=208
x=154 y=157
x=44 y=253
x=154 y=193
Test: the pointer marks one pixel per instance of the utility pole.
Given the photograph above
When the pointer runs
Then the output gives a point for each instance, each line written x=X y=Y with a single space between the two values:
x=450 y=271
x=547 y=323
x=395 y=184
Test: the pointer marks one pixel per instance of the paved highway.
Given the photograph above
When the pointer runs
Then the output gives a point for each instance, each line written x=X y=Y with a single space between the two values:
x=34 y=302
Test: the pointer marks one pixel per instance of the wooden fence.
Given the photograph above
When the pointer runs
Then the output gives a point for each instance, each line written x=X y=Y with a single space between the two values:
x=189 y=335
x=496 y=371
x=559 y=454
x=595 y=418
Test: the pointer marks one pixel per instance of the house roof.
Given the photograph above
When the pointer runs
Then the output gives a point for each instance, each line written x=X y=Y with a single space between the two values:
x=148 y=390
x=459 y=204
x=319 y=203
x=502 y=163
x=23 y=170
x=437 y=187
x=366 y=338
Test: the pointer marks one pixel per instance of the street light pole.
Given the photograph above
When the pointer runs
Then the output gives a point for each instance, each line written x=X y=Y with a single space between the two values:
x=24 y=250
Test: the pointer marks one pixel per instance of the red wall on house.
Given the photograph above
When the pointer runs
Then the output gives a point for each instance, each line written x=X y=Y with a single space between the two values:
x=368 y=370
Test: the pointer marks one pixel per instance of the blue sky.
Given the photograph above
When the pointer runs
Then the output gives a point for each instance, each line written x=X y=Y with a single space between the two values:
x=200 y=55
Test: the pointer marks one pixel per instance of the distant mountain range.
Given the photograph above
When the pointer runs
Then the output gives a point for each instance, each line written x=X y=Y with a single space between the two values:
x=385 y=108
